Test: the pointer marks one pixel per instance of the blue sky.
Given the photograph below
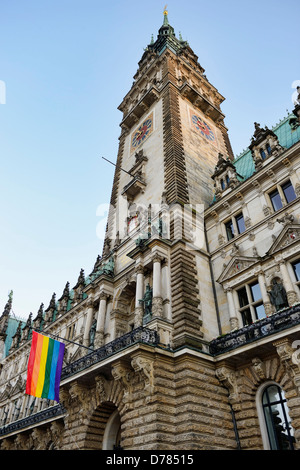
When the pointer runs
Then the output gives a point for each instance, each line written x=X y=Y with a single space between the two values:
x=66 y=66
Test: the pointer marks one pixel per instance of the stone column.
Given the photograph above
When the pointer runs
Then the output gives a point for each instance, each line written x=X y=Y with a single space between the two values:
x=157 y=303
x=264 y=293
x=166 y=290
x=139 y=294
x=287 y=282
x=88 y=324
x=234 y=323
x=99 y=339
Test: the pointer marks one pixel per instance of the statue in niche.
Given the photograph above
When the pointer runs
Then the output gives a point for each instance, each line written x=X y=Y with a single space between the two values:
x=92 y=334
x=278 y=295
x=147 y=301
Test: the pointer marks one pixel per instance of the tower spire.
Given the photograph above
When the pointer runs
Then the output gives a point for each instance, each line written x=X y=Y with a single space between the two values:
x=166 y=21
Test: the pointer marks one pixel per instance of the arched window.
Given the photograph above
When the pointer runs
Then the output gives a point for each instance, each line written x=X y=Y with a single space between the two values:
x=277 y=422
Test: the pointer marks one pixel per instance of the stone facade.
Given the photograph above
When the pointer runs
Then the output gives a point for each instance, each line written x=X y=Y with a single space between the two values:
x=192 y=311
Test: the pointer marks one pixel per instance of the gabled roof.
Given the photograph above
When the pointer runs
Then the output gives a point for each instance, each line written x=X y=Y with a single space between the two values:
x=236 y=266
x=290 y=234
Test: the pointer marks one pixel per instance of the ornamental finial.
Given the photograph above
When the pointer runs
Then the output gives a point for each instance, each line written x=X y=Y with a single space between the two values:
x=165 y=10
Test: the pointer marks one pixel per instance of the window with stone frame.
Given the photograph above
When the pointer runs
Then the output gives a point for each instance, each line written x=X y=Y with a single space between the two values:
x=296 y=269
x=277 y=420
x=235 y=226
x=70 y=331
x=283 y=194
x=251 y=306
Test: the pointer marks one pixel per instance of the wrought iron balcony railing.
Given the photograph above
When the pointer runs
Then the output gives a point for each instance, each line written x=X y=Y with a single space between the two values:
x=139 y=335
x=31 y=420
x=267 y=326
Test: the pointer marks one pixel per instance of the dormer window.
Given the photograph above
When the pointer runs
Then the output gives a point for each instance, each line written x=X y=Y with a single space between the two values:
x=264 y=144
x=225 y=176
x=262 y=153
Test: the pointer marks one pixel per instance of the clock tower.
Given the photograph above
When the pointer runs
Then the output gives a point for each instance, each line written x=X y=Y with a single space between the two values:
x=172 y=132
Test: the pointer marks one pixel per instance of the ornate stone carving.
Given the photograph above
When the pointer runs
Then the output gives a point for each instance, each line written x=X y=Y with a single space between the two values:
x=259 y=368
x=124 y=374
x=286 y=219
x=40 y=438
x=289 y=234
x=236 y=266
x=144 y=367
x=101 y=388
x=289 y=357
x=228 y=377
x=21 y=442
x=56 y=435
x=77 y=392
x=157 y=307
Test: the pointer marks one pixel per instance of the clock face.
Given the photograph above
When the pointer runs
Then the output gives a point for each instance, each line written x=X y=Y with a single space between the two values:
x=132 y=223
x=142 y=133
x=203 y=128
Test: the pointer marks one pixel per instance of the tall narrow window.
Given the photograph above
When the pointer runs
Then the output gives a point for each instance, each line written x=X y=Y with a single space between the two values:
x=229 y=230
x=278 y=423
x=262 y=153
x=296 y=268
x=276 y=200
x=235 y=225
x=240 y=223
x=288 y=192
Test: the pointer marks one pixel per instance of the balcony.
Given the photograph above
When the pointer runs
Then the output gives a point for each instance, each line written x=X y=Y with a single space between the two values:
x=268 y=326
x=51 y=413
x=139 y=335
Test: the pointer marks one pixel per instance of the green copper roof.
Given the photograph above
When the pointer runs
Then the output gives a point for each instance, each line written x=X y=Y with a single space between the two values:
x=166 y=38
x=10 y=331
x=287 y=138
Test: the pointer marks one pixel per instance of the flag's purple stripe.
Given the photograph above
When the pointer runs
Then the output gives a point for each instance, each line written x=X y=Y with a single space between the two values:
x=58 y=370
x=51 y=394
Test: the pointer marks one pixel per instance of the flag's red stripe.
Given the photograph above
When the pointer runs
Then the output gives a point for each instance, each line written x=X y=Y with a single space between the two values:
x=37 y=363
x=31 y=362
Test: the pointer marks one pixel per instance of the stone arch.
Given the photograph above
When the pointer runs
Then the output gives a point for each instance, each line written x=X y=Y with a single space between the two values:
x=97 y=426
x=104 y=423
x=243 y=385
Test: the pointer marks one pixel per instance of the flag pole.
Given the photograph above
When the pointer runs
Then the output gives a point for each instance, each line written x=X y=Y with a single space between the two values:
x=64 y=339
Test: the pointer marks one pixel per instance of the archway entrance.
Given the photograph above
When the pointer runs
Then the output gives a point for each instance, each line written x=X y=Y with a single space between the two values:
x=104 y=429
x=112 y=432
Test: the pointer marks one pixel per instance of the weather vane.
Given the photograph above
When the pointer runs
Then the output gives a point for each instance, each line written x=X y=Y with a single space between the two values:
x=165 y=10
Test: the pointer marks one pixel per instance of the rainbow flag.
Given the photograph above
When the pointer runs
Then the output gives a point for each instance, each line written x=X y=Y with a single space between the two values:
x=44 y=367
